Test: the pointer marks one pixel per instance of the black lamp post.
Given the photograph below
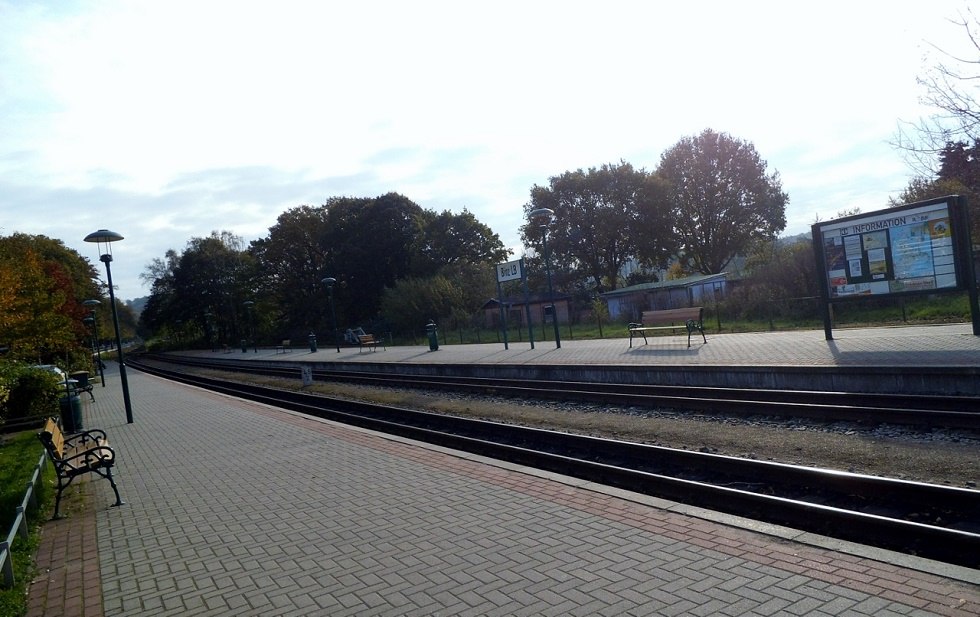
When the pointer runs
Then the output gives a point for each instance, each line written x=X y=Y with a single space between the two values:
x=543 y=217
x=251 y=324
x=209 y=324
x=329 y=282
x=100 y=237
x=97 y=346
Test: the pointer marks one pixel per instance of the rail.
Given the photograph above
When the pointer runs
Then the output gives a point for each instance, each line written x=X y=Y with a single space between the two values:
x=955 y=412
x=19 y=527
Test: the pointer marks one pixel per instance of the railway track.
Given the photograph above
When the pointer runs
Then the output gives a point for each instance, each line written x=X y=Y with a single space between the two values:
x=937 y=522
x=956 y=412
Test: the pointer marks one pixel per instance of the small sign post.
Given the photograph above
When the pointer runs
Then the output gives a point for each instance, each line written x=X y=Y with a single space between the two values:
x=512 y=271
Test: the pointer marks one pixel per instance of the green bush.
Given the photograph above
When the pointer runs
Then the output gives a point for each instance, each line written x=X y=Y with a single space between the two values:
x=27 y=392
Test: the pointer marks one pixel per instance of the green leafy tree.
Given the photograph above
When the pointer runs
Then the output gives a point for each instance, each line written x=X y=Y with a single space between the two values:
x=411 y=302
x=370 y=247
x=604 y=217
x=724 y=201
x=292 y=262
x=202 y=289
x=447 y=238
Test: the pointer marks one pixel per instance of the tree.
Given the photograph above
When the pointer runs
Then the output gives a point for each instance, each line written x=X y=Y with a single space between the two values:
x=449 y=238
x=42 y=287
x=959 y=174
x=723 y=200
x=370 y=246
x=949 y=86
x=292 y=261
x=603 y=218
x=202 y=289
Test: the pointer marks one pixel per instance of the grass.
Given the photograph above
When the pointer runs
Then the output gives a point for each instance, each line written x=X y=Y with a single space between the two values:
x=19 y=454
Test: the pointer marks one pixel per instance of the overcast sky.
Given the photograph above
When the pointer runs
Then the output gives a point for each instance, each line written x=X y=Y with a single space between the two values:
x=165 y=121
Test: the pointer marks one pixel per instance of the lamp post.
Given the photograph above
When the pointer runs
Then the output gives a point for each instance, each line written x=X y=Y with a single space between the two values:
x=91 y=304
x=329 y=282
x=209 y=324
x=543 y=217
x=251 y=324
x=100 y=237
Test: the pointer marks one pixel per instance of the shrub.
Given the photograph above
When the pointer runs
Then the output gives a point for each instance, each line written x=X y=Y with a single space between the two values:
x=27 y=392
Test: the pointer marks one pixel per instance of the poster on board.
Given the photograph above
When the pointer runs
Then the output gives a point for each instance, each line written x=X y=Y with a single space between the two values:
x=899 y=250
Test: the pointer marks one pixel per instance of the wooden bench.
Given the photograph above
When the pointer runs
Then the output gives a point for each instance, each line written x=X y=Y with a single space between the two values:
x=85 y=452
x=368 y=340
x=286 y=347
x=689 y=319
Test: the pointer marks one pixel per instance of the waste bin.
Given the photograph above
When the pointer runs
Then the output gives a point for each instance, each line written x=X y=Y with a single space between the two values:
x=71 y=412
x=244 y=346
x=312 y=342
x=433 y=332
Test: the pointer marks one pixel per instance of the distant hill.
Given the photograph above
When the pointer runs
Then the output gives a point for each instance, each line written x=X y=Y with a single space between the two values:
x=138 y=305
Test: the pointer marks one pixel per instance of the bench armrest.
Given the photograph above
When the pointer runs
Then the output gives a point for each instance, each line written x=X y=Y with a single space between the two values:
x=94 y=435
x=633 y=326
x=87 y=457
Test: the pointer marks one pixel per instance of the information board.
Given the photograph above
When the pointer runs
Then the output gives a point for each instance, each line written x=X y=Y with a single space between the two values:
x=899 y=250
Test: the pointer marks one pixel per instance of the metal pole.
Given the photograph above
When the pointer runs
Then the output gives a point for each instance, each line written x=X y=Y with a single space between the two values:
x=551 y=290
x=107 y=259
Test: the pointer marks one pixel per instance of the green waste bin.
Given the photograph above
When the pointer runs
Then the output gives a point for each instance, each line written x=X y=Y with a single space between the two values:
x=433 y=333
x=71 y=413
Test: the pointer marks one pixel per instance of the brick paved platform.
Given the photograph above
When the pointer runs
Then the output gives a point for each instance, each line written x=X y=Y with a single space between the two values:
x=911 y=360
x=235 y=508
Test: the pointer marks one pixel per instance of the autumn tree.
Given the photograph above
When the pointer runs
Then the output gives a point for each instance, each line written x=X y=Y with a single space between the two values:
x=604 y=217
x=42 y=287
x=723 y=199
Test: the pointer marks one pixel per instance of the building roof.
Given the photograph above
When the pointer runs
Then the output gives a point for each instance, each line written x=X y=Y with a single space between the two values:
x=689 y=281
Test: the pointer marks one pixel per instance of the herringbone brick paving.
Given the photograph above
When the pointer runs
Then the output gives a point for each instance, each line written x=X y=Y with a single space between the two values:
x=235 y=508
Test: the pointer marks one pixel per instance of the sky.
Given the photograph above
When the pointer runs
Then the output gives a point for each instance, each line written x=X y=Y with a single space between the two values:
x=165 y=121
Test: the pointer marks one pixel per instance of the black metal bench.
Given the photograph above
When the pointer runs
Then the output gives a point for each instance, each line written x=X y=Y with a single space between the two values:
x=82 y=383
x=82 y=453
x=689 y=318
x=286 y=347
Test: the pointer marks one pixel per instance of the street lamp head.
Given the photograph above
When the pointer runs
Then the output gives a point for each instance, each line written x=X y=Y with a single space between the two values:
x=248 y=304
x=329 y=281
x=104 y=236
x=542 y=216
x=92 y=303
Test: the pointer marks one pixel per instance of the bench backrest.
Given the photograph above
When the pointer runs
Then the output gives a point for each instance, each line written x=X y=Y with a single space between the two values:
x=365 y=338
x=286 y=342
x=677 y=315
x=53 y=439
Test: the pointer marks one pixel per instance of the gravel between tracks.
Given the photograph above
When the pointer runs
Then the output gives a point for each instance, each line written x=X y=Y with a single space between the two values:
x=937 y=456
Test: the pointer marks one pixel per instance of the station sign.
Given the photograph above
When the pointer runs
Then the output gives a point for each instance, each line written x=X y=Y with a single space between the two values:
x=510 y=271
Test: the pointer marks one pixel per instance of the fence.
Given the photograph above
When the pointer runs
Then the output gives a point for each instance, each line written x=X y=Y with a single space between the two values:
x=20 y=526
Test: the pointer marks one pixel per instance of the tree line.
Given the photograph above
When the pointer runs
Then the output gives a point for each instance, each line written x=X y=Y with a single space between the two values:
x=398 y=265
